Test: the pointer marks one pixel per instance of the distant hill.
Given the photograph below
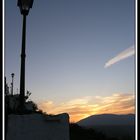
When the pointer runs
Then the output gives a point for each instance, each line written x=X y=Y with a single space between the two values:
x=120 y=126
x=108 y=119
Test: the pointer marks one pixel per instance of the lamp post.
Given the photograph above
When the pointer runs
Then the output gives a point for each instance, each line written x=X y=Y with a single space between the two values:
x=24 y=6
x=12 y=84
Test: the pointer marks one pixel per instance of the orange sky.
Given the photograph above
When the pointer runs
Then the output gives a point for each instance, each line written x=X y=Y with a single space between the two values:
x=85 y=106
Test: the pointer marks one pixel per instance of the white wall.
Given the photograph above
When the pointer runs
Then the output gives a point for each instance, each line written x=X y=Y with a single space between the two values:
x=38 y=127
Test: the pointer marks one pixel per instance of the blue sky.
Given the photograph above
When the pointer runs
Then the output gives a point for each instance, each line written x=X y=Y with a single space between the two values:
x=68 y=45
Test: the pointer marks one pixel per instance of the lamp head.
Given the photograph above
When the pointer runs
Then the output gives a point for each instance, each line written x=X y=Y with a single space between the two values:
x=12 y=74
x=25 y=6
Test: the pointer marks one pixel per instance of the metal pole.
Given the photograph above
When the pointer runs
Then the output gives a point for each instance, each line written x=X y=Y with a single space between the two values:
x=22 y=72
x=12 y=84
x=5 y=86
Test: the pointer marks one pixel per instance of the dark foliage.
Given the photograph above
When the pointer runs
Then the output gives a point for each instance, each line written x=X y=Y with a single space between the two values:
x=80 y=133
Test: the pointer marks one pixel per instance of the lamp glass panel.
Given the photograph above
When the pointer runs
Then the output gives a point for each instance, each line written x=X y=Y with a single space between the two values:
x=25 y=4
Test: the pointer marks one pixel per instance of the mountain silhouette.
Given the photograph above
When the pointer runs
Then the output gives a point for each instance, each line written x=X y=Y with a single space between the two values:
x=119 y=126
x=108 y=119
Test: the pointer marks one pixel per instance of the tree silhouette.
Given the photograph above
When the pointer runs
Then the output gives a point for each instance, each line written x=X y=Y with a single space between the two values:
x=80 y=133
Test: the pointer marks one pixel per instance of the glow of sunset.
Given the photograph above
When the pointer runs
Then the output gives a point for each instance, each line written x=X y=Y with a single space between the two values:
x=86 y=106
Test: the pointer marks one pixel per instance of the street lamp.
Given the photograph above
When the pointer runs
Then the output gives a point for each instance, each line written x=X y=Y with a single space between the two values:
x=12 y=84
x=24 y=6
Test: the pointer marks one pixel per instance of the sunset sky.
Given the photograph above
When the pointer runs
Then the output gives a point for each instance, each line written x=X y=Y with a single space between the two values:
x=80 y=55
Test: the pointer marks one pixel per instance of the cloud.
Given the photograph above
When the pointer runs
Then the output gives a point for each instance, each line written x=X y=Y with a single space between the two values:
x=86 y=106
x=123 y=55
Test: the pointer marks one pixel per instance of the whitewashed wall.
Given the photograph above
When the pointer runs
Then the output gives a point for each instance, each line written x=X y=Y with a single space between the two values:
x=38 y=127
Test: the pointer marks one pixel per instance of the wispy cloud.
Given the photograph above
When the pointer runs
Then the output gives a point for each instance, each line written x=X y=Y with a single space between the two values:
x=86 y=106
x=123 y=55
